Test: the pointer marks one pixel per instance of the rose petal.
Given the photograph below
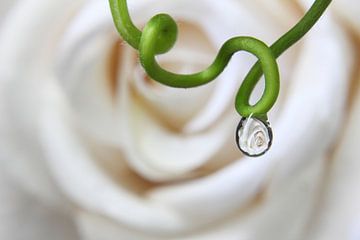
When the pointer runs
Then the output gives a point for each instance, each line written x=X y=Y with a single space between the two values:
x=314 y=88
x=36 y=220
x=339 y=207
x=21 y=93
x=349 y=10
x=83 y=70
x=156 y=160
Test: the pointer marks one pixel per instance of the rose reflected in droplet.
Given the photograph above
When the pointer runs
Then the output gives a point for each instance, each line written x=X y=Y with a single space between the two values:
x=253 y=136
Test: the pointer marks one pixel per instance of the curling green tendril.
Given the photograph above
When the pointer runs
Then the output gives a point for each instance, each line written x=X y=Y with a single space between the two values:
x=159 y=36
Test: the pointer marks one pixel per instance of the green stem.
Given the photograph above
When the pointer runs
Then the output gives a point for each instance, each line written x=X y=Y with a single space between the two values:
x=160 y=34
x=155 y=39
x=280 y=46
x=128 y=31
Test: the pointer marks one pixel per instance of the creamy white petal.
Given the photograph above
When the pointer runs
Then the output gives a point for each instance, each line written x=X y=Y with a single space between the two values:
x=339 y=210
x=155 y=159
x=83 y=70
x=85 y=184
x=21 y=76
x=159 y=154
x=303 y=136
x=5 y=5
x=23 y=216
x=349 y=10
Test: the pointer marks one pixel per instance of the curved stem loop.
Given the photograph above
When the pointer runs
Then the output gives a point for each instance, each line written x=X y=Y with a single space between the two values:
x=160 y=34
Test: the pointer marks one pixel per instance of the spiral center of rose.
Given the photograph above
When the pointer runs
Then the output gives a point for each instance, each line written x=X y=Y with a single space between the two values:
x=259 y=139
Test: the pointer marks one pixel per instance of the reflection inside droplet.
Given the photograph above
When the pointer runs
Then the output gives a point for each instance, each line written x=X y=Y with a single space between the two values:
x=253 y=136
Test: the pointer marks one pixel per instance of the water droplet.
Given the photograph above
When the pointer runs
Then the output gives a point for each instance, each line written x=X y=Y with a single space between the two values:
x=253 y=136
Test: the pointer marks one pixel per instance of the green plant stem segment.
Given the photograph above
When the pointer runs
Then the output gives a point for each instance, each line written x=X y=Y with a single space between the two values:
x=159 y=36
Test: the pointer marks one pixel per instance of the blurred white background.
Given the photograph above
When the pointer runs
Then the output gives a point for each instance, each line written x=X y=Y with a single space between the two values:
x=93 y=149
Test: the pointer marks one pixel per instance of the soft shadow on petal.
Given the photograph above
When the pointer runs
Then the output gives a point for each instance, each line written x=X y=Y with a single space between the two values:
x=22 y=216
x=349 y=11
x=308 y=129
x=82 y=180
x=5 y=5
x=83 y=70
x=174 y=107
x=339 y=209
x=162 y=155
x=21 y=89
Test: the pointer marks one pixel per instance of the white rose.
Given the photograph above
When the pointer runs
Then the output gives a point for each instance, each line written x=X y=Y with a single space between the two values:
x=91 y=139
